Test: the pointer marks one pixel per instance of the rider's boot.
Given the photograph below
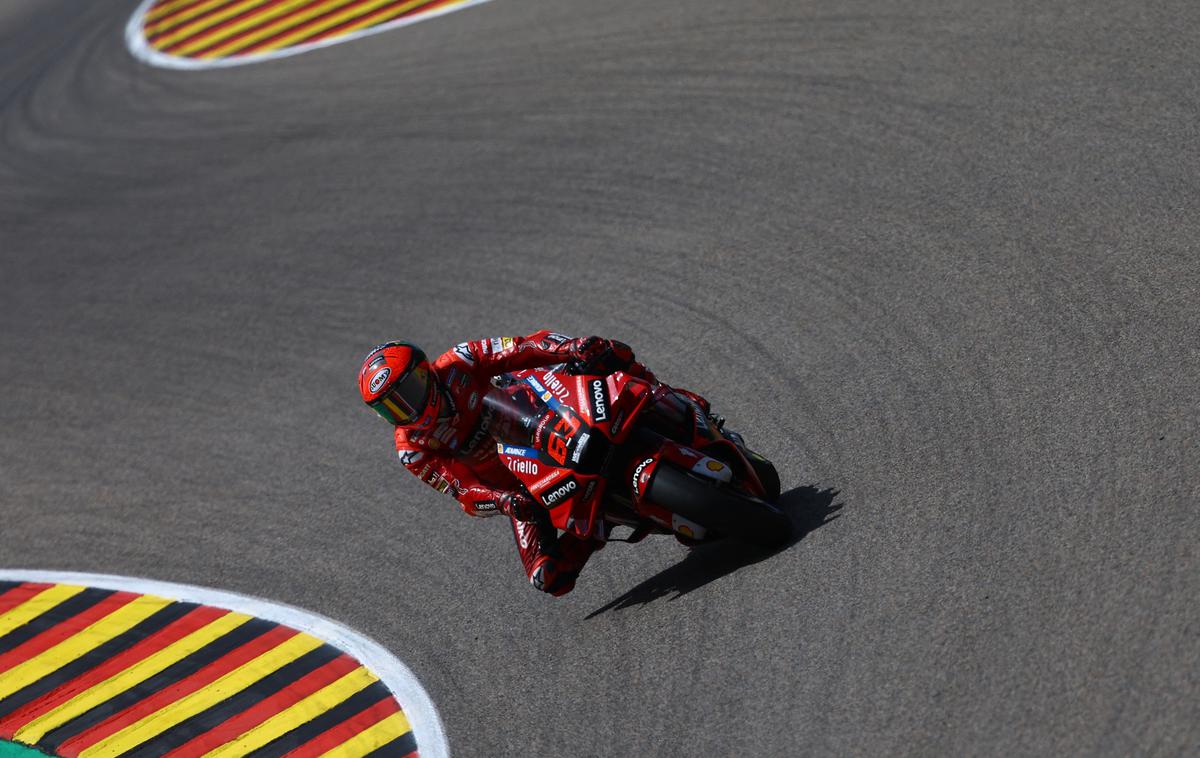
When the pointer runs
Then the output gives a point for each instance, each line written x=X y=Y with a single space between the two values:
x=558 y=559
x=557 y=575
x=547 y=577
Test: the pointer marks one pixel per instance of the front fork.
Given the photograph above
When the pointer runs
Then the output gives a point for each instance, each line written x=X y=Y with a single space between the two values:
x=679 y=418
x=672 y=453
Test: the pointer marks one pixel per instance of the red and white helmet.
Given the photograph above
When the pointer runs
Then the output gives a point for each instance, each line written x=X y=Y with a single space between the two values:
x=398 y=383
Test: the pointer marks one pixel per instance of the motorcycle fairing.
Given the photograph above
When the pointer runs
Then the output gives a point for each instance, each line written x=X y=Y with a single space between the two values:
x=708 y=439
x=569 y=438
x=683 y=457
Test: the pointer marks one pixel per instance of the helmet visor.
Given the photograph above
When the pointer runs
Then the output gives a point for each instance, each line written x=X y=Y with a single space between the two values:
x=404 y=403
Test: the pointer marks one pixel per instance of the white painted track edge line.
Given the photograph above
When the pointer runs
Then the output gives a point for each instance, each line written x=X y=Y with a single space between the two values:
x=140 y=48
x=417 y=705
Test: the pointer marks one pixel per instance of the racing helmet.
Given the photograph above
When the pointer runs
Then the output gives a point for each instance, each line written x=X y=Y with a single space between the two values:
x=398 y=383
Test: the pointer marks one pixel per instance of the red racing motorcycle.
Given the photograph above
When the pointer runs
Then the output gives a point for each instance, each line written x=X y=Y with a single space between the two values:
x=605 y=450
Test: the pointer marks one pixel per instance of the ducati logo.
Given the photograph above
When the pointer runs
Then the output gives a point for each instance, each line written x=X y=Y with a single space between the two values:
x=616 y=423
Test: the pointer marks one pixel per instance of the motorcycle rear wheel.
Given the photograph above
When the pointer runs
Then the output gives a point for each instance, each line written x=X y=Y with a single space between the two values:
x=718 y=508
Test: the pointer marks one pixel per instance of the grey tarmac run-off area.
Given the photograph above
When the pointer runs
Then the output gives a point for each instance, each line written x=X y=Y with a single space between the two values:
x=937 y=259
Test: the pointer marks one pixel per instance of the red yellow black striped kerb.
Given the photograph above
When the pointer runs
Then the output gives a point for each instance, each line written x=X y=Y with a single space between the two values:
x=193 y=33
x=98 y=672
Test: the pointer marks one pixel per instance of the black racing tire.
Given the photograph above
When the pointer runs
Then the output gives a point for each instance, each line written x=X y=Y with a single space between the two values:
x=719 y=508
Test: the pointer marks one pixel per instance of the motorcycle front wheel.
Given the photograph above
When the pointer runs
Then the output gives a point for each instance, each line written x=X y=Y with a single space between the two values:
x=719 y=508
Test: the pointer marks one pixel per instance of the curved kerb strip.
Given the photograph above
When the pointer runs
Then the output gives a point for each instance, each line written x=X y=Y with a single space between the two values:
x=141 y=49
x=419 y=709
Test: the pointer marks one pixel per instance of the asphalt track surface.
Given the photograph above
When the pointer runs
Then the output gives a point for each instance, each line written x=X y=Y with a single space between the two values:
x=938 y=259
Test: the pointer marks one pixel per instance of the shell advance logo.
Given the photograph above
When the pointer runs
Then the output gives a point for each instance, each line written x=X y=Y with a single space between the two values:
x=212 y=33
x=102 y=668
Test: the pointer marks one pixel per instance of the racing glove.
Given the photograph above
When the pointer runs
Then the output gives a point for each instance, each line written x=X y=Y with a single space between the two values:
x=517 y=505
x=697 y=399
x=600 y=355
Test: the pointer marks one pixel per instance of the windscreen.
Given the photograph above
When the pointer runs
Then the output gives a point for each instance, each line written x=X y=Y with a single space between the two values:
x=516 y=412
x=525 y=414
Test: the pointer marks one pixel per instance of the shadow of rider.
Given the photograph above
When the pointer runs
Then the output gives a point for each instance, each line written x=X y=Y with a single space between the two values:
x=809 y=508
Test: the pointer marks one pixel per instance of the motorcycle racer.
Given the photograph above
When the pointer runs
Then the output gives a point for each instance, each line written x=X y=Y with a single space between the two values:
x=442 y=431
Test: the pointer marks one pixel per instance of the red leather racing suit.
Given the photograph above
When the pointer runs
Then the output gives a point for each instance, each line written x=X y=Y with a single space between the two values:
x=458 y=456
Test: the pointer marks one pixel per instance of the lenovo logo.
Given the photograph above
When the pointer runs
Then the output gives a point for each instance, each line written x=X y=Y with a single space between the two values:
x=637 y=475
x=560 y=492
x=598 y=394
